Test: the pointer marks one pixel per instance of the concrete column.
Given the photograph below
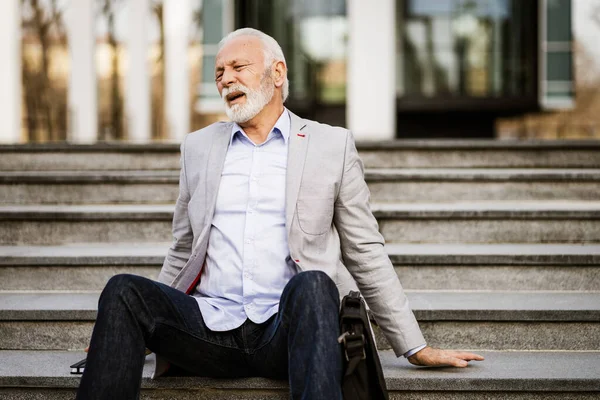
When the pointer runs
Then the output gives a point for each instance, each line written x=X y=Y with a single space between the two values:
x=177 y=19
x=82 y=98
x=371 y=90
x=137 y=98
x=10 y=71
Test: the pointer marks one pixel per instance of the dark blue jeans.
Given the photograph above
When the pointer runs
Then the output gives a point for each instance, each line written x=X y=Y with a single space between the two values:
x=299 y=343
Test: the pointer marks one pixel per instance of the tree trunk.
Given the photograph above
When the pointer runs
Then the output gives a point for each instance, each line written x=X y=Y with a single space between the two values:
x=116 y=112
x=45 y=92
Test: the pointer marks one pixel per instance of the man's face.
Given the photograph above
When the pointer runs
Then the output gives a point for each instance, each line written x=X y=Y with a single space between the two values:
x=242 y=80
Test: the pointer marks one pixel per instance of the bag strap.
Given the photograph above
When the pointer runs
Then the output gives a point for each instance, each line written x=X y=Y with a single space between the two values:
x=353 y=331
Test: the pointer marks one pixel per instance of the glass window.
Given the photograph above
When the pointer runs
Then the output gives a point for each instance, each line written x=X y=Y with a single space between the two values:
x=214 y=20
x=313 y=35
x=466 y=48
x=557 y=57
x=558 y=20
x=560 y=66
x=45 y=68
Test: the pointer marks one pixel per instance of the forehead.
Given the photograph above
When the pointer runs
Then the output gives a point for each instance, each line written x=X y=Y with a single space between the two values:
x=248 y=48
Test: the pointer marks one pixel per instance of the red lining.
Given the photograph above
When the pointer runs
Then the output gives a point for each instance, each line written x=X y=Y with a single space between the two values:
x=195 y=282
x=193 y=285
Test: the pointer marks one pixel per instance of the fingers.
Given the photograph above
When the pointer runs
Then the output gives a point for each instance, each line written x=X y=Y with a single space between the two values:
x=467 y=356
x=438 y=357
x=473 y=357
x=457 y=362
x=447 y=358
x=87 y=349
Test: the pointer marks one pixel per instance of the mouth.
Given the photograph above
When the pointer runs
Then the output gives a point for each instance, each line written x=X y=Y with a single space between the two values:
x=235 y=97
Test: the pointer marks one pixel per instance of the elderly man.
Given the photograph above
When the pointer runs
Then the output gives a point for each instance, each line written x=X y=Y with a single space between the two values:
x=272 y=225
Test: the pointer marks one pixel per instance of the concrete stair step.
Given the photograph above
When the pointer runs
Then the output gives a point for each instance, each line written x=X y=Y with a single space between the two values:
x=467 y=319
x=470 y=184
x=89 y=187
x=386 y=185
x=45 y=224
x=480 y=154
x=393 y=154
x=499 y=266
x=88 y=266
x=503 y=375
x=461 y=222
x=102 y=156
x=490 y=222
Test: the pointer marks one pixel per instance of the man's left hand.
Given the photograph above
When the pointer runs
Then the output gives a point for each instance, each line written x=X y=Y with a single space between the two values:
x=430 y=357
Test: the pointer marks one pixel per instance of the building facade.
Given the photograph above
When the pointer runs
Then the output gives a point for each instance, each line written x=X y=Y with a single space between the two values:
x=142 y=70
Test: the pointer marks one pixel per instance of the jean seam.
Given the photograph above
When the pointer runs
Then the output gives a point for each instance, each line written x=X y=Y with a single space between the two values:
x=270 y=338
x=175 y=308
x=196 y=336
x=124 y=299
x=188 y=329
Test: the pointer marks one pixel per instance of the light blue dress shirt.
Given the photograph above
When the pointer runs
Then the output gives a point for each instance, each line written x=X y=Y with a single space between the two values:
x=248 y=262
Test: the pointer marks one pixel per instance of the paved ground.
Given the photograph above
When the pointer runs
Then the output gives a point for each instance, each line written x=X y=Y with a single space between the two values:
x=508 y=371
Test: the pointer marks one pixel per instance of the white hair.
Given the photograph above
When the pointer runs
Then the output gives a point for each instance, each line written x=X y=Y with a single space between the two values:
x=272 y=51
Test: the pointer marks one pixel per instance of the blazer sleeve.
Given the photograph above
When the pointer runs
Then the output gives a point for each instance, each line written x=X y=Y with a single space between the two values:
x=365 y=257
x=181 y=248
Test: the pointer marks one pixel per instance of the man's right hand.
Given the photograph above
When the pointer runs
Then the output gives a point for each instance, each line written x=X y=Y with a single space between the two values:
x=436 y=358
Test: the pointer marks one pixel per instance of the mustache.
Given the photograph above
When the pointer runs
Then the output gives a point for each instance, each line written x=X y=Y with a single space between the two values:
x=238 y=87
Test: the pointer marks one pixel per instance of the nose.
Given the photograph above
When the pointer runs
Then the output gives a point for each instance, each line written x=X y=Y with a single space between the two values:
x=228 y=77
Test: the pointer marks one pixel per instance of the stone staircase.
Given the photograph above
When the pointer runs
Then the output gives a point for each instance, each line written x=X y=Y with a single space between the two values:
x=497 y=244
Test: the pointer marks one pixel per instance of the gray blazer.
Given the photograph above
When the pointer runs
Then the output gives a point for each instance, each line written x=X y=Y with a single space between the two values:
x=329 y=222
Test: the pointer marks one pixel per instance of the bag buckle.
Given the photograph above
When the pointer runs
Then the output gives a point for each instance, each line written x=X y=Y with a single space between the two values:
x=351 y=337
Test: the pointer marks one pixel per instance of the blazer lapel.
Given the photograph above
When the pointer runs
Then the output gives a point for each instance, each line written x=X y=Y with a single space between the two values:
x=214 y=169
x=297 y=147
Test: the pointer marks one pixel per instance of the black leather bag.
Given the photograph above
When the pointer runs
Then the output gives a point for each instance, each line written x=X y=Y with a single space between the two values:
x=363 y=376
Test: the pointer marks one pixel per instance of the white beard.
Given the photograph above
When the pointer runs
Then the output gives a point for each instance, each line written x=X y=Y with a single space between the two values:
x=256 y=100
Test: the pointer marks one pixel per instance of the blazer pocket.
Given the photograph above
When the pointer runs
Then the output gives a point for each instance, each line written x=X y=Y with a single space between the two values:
x=315 y=214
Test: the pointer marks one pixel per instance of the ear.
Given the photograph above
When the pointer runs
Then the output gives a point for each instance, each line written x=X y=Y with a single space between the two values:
x=279 y=73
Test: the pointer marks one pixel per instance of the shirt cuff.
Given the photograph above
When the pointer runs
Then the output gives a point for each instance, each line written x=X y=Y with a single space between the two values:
x=414 y=351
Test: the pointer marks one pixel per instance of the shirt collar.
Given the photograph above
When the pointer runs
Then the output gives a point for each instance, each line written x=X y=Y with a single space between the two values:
x=283 y=126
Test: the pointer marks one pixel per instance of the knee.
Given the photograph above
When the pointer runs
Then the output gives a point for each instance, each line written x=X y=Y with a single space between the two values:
x=116 y=285
x=118 y=282
x=315 y=285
